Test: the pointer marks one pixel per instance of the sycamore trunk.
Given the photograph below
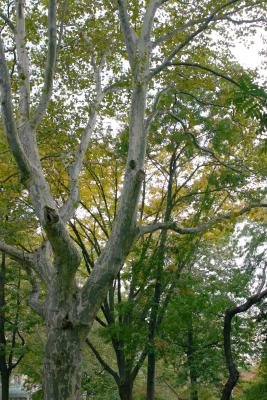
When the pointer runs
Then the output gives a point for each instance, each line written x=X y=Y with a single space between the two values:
x=62 y=365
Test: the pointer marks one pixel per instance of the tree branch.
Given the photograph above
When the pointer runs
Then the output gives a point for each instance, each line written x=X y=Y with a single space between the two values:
x=155 y=109
x=129 y=34
x=204 y=149
x=72 y=202
x=189 y=38
x=148 y=20
x=9 y=120
x=23 y=64
x=8 y=22
x=26 y=134
x=208 y=69
x=50 y=66
x=143 y=230
x=233 y=372
x=16 y=254
x=102 y=362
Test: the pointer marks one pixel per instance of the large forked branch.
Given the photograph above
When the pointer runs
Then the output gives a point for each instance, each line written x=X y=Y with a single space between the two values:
x=50 y=66
x=70 y=205
x=148 y=20
x=129 y=34
x=173 y=226
x=189 y=38
x=27 y=135
x=229 y=315
x=23 y=63
x=8 y=118
x=37 y=261
x=16 y=254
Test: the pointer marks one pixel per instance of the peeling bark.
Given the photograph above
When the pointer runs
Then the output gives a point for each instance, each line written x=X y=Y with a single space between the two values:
x=62 y=365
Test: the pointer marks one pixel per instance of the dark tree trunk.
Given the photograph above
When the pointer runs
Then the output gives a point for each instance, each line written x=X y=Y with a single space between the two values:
x=126 y=390
x=229 y=386
x=151 y=370
x=233 y=372
x=192 y=366
x=62 y=365
x=5 y=384
x=155 y=317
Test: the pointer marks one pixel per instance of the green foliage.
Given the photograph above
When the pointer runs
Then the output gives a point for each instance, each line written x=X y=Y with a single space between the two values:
x=251 y=99
x=99 y=386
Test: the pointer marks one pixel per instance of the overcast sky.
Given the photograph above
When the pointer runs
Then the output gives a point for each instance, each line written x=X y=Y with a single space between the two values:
x=249 y=56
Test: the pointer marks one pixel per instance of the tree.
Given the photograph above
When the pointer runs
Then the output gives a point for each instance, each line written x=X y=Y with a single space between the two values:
x=15 y=320
x=69 y=310
x=257 y=260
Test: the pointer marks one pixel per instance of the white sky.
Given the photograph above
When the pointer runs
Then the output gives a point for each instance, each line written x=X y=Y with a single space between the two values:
x=248 y=55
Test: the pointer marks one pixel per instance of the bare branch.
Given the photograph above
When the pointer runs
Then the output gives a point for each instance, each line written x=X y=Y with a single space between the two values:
x=26 y=134
x=23 y=64
x=8 y=118
x=15 y=253
x=208 y=69
x=102 y=362
x=129 y=34
x=143 y=230
x=50 y=66
x=151 y=9
x=8 y=22
x=72 y=202
x=61 y=30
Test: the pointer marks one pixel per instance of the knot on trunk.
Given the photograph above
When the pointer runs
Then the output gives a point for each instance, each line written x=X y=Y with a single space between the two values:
x=50 y=215
x=132 y=164
x=66 y=323
x=140 y=176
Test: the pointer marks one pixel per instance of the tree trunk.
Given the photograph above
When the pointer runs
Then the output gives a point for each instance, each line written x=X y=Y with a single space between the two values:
x=3 y=362
x=126 y=390
x=191 y=364
x=151 y=369
x=233 y=372
x=62 y=365
x=5 y=384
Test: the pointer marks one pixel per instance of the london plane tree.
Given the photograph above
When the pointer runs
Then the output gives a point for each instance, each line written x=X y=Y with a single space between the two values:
x=142 y=41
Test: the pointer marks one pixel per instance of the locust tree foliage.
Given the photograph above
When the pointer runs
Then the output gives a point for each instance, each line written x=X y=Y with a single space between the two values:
x=50 y=55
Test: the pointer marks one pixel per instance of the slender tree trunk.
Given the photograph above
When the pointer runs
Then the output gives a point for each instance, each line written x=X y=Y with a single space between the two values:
x=62 y=365
x=192 y=366
x=5 y=384
x=233 y=371
x=126 y=390
x=151 y=370
x=154 y=316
